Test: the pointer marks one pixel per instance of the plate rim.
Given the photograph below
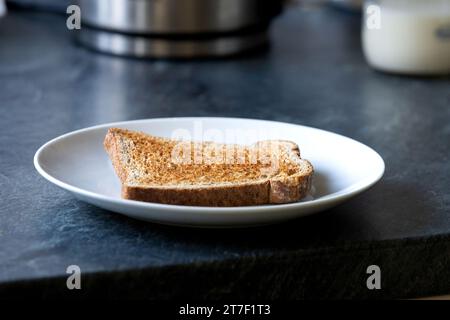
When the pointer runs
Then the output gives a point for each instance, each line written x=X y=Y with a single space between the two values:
x=329 y=198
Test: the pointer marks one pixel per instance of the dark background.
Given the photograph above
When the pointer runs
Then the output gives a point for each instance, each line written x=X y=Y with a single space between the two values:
x=58 y=5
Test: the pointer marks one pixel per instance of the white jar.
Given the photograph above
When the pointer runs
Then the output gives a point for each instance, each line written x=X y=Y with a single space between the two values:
x=407 y=36
x=2 y=8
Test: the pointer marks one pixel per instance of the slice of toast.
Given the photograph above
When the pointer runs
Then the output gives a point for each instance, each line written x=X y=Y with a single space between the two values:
x=154 y=169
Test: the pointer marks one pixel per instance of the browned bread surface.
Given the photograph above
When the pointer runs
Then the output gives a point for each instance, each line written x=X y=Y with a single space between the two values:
x=154 y=169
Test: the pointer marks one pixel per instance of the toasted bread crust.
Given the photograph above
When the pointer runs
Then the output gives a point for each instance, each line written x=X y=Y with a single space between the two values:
x=111 y=145
x=274 y=190
x=214 y=196
x=294 y=187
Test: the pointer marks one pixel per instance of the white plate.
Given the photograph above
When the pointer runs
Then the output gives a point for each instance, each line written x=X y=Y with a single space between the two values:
x=343 y=167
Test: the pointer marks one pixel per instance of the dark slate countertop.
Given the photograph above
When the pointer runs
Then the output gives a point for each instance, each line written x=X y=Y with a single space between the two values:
x=314 y=74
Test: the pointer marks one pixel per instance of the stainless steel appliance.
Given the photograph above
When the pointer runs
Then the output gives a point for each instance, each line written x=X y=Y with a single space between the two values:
x=176 y=28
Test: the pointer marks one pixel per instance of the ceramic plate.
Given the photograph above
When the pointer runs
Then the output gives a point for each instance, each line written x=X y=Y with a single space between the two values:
x=343 y=167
